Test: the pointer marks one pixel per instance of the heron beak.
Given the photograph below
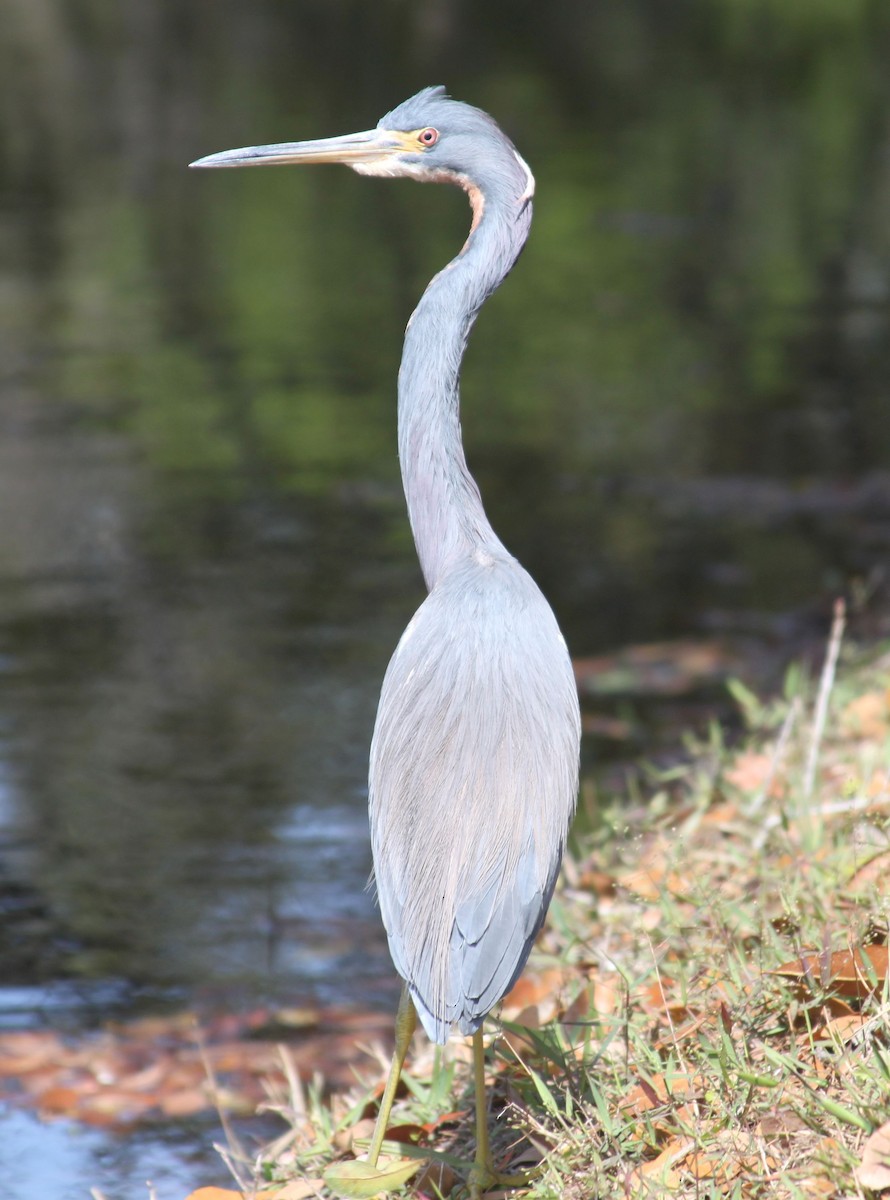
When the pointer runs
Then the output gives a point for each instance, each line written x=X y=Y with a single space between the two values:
x=374 y=148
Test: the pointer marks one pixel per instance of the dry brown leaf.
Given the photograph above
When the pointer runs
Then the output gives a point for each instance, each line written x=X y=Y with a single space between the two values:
x=673 y=1036
x=110 y=1107
x=721 y=1166
x=780 y=1123
x=651 y=881
x=449 y=1118
x=297 y=1018
x=874 y=873
x=841 y=1029
x=297 y=1189
x=702 y=1166
x=404 y=1133
x=35 y=1083
x=152 y=1066
x=721 y=816
x=529 y=1018
x=539 y=990
x=642 y=1098
x=659 y=1089
x=23 y=1051
x=60 y=1101
x=435 y=1179
x=649 y=918
x=646 y=879
x=363 y=1130
x=661 y=1170
x=598 y=882
x=215 y=1193
x=731 y=1153
x=149 y=1078
x=184 y=1103
x=868 y=716
x=818 y=1187
x=600 y=996
x=859 y=972
x=833 y=1007
x=652 y=996
x=750 y=771
x=175 y=1026
x=874 y=1169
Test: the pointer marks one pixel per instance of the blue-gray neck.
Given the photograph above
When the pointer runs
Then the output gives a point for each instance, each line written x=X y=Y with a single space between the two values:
x=444 y=505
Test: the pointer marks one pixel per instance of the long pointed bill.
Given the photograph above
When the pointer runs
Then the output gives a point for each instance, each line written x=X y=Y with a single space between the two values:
x=376 y=147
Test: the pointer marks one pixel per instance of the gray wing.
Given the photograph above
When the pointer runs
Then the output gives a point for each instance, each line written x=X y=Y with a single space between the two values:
x=474 y=773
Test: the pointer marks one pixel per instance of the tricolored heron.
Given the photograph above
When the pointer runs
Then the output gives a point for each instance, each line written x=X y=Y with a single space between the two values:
x=474 y=759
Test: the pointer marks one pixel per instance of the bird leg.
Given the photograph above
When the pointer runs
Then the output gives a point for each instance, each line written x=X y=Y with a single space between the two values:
x=483 y=1175
x=360 y=1178
x=406 y=1023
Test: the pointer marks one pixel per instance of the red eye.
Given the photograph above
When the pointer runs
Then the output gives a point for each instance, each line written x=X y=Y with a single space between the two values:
x=429 y=137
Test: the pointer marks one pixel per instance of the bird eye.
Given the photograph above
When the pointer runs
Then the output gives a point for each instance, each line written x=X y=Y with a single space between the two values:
x=429 y=137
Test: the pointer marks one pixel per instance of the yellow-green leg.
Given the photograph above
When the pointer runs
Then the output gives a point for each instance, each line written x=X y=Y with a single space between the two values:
x=359 y=1178
x=406 y=1023
x=483 y=1175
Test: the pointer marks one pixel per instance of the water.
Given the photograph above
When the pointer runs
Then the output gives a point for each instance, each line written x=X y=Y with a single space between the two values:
x=676 y=409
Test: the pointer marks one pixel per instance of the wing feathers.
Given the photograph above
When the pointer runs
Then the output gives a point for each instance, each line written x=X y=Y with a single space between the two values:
x=473 y=781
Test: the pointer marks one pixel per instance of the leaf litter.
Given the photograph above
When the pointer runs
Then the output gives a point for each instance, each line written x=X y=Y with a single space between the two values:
x=707 y=1013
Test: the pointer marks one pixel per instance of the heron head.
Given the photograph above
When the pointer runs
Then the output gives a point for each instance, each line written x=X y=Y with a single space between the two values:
x=429 y=137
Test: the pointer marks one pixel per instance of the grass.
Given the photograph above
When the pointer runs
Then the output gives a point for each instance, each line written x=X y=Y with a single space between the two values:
x=708 y=1011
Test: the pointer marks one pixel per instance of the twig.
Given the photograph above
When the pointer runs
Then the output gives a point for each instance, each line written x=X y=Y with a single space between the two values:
x=778 y=753
x=825 y=685
x=234 y=1153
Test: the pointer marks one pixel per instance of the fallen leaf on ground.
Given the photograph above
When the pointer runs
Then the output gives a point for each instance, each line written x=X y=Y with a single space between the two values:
x=651 y=883
x=659 y=1089
x=780 y=1123
x=868 y=716
x=297 y=1189
x=184 y=1103
x=732 y=1153
x=346 y=1140
x=661 y=1169
x=436 y=1179
x=874 y=873
x=600 y=883
x=818 y=1187
x=215 y=1193
x=721 y=816
x=874 y=1169
x=23 y=1051
x=750 y=771
x=859 y=972
x=359 y=1180
x=652 y=997
x=449 y=1118
x=840 y=1029
x=538 y=990
x=155 y=1067
x=405 y=1133
x=599 y=996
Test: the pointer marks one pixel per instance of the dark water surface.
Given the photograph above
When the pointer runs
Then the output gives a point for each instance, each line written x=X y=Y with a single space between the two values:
x=677 y=409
